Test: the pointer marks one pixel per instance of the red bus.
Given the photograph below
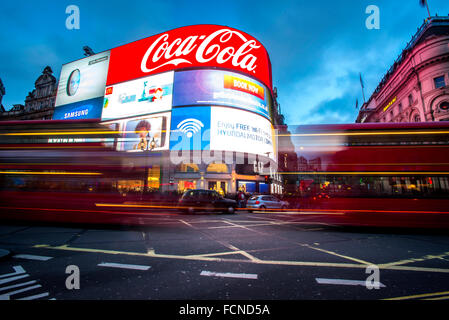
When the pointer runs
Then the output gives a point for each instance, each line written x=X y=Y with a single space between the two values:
x=371 y=174
x=69 y=171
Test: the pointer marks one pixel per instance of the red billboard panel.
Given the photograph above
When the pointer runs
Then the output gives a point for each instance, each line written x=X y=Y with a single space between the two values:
x=191 y=47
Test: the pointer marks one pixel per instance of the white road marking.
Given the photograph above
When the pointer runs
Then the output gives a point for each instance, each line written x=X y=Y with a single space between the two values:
x=13 y=279
x=229 y=275
x=17 y=270
x=346 y=282
x=36 y=296
x=32 y=257
x=7 y=295
x=124 y=266
x=18 y=285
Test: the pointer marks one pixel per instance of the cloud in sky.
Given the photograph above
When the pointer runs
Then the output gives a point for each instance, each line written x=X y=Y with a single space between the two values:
x=317 y=48
x=312 y=98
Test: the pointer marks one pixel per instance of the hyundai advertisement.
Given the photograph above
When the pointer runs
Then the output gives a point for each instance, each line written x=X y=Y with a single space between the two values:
x=221 y=128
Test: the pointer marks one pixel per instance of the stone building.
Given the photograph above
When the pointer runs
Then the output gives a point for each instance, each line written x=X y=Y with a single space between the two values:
x=2 y=93
x=39 y=104
x=416 y=87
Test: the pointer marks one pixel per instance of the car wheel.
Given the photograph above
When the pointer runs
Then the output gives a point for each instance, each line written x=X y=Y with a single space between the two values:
x=230 y=210
x=263 y=208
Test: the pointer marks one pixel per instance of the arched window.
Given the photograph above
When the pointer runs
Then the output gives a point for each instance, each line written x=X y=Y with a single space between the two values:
x=188 y=167
x=217 y=168
x=444 y=105
x=416 y=118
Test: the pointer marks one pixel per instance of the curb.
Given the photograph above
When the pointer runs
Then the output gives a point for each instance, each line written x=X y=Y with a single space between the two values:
x=4 y=253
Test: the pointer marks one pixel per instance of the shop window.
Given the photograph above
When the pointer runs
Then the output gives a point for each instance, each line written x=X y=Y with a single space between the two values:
x=184 y=185
x=220 y=186
x=439 y=82
x=217 y=168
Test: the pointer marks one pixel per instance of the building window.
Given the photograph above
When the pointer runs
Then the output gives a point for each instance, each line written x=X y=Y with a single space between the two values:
x=400 y=108
x=410 y=99
x=416 y=118
x=391 y=115
x=188 y=167
x=439 y=82
x=217 y=168
x=444 y=106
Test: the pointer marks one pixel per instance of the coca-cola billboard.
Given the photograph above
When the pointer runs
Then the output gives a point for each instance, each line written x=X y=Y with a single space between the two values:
x=191 y=47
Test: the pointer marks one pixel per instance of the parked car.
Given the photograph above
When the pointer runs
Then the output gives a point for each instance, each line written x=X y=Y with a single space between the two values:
x=263 y=202
x=205 y=200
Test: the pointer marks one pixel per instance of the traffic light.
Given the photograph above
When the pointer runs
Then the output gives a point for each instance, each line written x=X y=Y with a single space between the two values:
x=268 y=179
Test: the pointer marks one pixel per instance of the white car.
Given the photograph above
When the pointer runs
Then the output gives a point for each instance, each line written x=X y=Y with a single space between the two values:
x=264 y=202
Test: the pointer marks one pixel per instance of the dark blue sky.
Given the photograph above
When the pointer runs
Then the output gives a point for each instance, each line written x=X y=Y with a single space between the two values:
x=317 y=48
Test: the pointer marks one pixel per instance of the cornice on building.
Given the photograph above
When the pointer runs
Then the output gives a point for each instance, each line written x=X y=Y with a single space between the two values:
x=423 y=33
x=409 y=65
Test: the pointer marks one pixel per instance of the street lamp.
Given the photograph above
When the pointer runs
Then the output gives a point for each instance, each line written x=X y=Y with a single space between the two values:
x=88 y=51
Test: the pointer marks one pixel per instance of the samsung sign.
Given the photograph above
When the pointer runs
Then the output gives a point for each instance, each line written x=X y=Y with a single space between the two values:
x=88 y=109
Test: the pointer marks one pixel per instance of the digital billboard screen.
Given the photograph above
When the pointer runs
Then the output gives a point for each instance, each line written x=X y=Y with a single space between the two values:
x=83 y=79
x=147 y=95
x=241 y=131
x=221 y=128
x=217 y=87
x=145 y=133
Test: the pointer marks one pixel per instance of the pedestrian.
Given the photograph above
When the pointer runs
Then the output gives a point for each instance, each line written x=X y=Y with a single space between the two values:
x=241 y=199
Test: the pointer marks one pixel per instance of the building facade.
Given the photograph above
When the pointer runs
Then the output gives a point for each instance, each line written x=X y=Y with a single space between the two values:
x=416 y=87
x=194 y=108
x=40 y=102
x=2 y=93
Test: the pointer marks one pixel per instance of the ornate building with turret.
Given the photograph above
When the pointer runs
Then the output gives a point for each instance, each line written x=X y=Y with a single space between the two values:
x=39 y=104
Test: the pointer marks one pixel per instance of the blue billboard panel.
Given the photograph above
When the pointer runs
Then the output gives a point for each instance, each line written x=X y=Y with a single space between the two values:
x=221 y=88
x=190 y=128
x=87 y=109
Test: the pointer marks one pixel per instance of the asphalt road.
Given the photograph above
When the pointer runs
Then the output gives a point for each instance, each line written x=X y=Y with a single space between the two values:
x=257 y=256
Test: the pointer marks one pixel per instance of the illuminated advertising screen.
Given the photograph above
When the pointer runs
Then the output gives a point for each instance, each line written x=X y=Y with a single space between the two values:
x=221 y=128
x=83 y=79
x=241 y=131
x=190 y=128
x=196 y=46
x=87 y=109
x=145 y=133
x=217 y=87
x=138 y=97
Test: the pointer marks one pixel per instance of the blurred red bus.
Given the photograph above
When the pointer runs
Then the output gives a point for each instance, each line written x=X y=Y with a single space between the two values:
x=372 y=174
x=68 y=171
